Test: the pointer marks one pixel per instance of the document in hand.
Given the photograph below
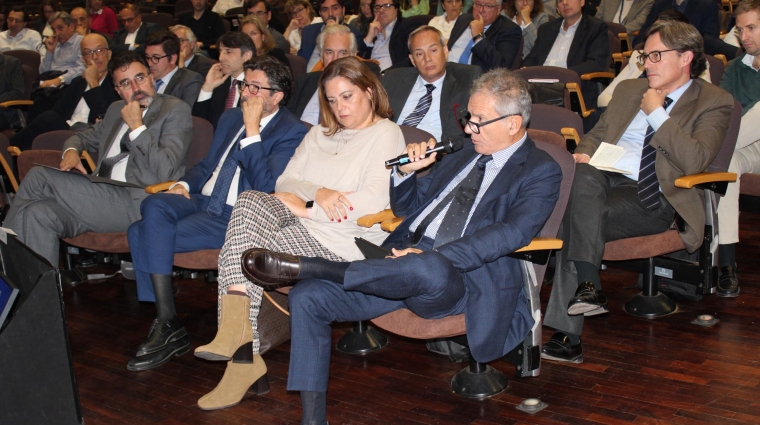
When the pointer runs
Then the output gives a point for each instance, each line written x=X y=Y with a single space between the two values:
x=606 y=156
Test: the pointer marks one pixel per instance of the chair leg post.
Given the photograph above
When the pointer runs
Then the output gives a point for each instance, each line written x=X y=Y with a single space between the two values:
x=650 y=302
x=478 y=380
x=361 y=339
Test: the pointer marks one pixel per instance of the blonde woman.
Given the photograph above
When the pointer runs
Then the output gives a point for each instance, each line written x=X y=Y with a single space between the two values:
x=255 y=28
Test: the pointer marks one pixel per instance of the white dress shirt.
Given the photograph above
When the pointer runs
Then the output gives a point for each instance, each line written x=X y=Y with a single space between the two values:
x=206 y=95
x=82 y=111
x=26 y=39
x=222 y=6
x=166 y=79
x=119 y=170
x=445 y=27
x=561 y=47
x=432 y=120
x=130 y=38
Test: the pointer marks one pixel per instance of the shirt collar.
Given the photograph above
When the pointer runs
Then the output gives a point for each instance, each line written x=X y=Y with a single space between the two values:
x=677 y=93
x=420 y=84
x=71 y=40
x=168 y=77
x=96 y=13
x=241 y=77
x=748 y=59
x=267 y=119
x=501 y=157
x=138 y=29
x=389 y=28
x=190 y=59
x=23 y=31
x=572 y=28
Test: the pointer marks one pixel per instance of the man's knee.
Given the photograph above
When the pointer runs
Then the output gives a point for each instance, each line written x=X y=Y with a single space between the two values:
x=310 y=298
x=586 y=176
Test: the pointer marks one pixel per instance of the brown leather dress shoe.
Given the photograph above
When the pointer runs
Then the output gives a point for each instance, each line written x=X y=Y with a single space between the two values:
x=270 y=270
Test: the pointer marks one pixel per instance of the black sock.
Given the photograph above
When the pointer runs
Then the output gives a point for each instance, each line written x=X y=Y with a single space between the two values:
x=727 y=255
x=314 y=405
x=588 y=272
x=320 y=268
x=574 y=339
x=162 y=287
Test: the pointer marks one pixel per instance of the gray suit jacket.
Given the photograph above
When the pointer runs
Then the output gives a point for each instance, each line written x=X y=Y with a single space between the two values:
x=280 y=40
x=635 y=18
x=200 y=64
x=157 y=154
x=686 y=143
x=185 y=84
x=455 y=94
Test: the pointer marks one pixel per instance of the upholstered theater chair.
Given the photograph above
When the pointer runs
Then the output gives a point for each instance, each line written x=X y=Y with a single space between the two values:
x=557 y=120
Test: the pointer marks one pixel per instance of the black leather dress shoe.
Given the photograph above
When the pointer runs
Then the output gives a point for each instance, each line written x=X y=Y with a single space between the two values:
x=728 y=282
x=558 y=348
x=270 y=270
x=161 y=333
x=175 y=347
x=587 y=301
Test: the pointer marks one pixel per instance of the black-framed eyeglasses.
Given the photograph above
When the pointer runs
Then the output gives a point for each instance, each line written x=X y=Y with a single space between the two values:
x=139 y=79
x=155 y=59
x=253 y=88
x=386 y=6
x=653 y=57
x=127 y=20
x=96 y=52
x=464 y=121
x=485 y=6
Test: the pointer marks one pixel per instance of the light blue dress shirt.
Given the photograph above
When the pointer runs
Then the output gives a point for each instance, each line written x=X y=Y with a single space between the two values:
x=65 y=57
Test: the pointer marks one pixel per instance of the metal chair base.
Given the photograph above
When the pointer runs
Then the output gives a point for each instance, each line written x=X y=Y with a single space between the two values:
x=651 y=306
x=361 y=339
x=479 y=380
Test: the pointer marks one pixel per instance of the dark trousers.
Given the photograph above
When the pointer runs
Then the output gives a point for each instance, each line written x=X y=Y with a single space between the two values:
x=427 y=284
x=46 y=122
x=171 y=223
x=603 y=207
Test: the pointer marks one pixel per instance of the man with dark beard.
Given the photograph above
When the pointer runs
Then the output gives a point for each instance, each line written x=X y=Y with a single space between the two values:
x=142 y=140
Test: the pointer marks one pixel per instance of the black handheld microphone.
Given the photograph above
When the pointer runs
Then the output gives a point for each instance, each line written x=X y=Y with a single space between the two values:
x=445 y=146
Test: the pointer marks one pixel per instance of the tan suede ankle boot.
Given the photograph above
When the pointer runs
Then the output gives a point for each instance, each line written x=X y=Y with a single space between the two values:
x=237 y=379
x=234 y=330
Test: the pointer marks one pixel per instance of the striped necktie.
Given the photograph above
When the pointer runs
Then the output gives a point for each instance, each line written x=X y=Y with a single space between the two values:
x=230 y=102
x=414 y=119
x=649 y=188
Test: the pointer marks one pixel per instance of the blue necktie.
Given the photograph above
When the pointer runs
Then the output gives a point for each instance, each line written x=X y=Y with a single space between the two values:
x=223 y=181
x=414 y=119
x=158 y=84
x=649 y=189
x=465 y=58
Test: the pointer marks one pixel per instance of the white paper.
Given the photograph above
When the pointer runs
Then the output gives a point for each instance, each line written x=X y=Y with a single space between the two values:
x=4 y=234
x=606 y=156
x=543 y=80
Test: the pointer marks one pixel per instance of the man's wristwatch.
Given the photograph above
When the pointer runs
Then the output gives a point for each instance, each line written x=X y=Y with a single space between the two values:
x=478 y=37
x=309 y=204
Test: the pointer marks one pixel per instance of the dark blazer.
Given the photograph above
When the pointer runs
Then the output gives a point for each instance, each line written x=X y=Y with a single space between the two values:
x=686 y=143
x=213 y=108
x=703 y=14
x=455 y=92
x=500 y=47
x=260 y=163
x=200 y=64
x=309 y=36
x=186 y=85
x=145 y=30
x=397 y=45
x=207 y=29
x=98 y=99
x=12 y=85
x=512 y=211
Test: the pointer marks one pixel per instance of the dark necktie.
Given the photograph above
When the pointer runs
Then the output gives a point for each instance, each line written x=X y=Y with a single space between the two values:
x=230 y=102
x=422 y=108
x=107 y=165
x=462 y=198
x=649 y=188
x=223 y=181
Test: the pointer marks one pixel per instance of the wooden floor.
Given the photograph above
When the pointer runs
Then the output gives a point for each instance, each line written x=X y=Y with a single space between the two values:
x=664 y=371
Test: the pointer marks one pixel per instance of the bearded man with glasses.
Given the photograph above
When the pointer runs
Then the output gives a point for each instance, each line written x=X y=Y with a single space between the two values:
x=162 y=55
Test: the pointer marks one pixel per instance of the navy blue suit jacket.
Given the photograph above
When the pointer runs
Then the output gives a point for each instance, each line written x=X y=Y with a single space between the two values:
x=260 y=163
x=512 y=211
x=309 y=36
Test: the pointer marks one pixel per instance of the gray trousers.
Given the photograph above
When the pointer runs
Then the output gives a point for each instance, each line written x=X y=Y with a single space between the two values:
x=603 y=207
x=50 y=205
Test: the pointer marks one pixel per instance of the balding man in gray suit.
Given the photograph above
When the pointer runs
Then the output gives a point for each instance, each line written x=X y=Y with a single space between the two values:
x=142 y=140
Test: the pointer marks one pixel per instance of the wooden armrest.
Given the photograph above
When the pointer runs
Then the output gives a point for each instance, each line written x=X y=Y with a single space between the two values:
x=542 y=243
x=85 y=156
x=592 y=75
x=370 y=220
x=10 y=103
x=722 y=58
x=635 y=33
x=159 y=187
x=14 y=150
x=687 y=182
x=575 y=88
x=9 y=173
x=391 y=224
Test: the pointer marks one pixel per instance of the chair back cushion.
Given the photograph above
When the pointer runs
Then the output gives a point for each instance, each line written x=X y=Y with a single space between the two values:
x=554 y=118
x=726 y=152
x=203 y=135
x=29 y=158
x=52 y=140
x=297 y=65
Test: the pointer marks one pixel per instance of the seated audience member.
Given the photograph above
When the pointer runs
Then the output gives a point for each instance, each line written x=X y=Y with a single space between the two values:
x=251 y=148
x=529 y=15
x=83 y=25
x=188 y=58
x=332 y=12
x=135 y=145
x=301 y=14
x=425 y=96
x=18 y=37
x=220 y=89
x=102 y=19
x=635 y=69
x=485 y=38
x=629 y=13
x=414 y=7
x=457 y=267
x=42 y=25
x=63 y=53
x=676 y=128
x=361 y=21
x=222 y=6
x=702 y=14
x=577 y=41
x=12 y=87
x=162 y=55
x=388 y=35
x=336 y=175
x=135 y=31
x=263 y=11
x=87 y=98
x=206 y=25
x=262 y=39
x=445 y=22
x=742 y=80
x=335 y=42
x=467 y=5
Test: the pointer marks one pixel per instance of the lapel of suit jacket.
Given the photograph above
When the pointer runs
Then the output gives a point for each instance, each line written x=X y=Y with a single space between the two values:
x=405 y=86
x=685 y=103
x=447 y=95
x=495 y=26
x=577 y=39
x=221 y=97
x=174 y=81
x=459 y=28
x=110 y=140
x=454 y=169
x=632 y=108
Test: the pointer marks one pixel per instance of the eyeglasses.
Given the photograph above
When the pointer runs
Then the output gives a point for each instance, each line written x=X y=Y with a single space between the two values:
x=127 y=20
x=155 y=59
x=127 y=84
x=485 y=6
x=475 y=126
x=260 y=14
x=253 y=88
x=296 y=12
x=386 y=6
x=653 y=57
x=97 y=52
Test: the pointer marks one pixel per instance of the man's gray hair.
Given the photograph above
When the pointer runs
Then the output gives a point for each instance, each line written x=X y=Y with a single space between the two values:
x=67 y=19
x=423 y=29
x=335 y=30
x=509 y=90
x=190 y=35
